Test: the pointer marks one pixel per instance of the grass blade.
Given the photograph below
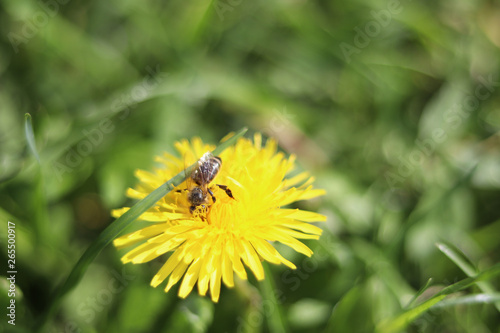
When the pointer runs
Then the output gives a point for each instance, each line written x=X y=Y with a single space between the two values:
x=459 y=258
x=114 y=229
x=420 y=292
x=404 y=319
x=399 y=323
x=30 y=137
x=469 y=299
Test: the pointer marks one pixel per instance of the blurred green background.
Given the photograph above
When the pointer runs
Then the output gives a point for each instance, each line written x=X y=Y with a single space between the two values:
x=393 y=106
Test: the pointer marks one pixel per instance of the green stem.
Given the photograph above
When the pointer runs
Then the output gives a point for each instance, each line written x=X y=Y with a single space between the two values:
x=273 y=314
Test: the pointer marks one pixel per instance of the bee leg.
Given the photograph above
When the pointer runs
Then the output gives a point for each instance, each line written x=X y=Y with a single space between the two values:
x=227 y=190
x=199 y=211
x=211 y=194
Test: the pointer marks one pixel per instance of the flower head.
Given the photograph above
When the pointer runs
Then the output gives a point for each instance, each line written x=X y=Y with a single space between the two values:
x=233 y=232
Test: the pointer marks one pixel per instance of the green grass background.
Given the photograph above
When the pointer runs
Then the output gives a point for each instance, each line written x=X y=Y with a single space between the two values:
x=384 y=102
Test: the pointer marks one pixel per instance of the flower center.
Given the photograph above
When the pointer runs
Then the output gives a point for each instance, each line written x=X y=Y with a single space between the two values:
x=224 y=214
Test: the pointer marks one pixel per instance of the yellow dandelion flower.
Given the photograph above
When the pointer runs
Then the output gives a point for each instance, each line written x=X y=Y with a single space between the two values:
x=208 y=247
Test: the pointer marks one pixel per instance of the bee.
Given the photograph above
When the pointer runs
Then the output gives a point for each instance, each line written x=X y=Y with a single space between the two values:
x=207 y=169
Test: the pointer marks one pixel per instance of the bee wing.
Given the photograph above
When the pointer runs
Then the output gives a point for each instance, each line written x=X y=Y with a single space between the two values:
x=206 y=157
